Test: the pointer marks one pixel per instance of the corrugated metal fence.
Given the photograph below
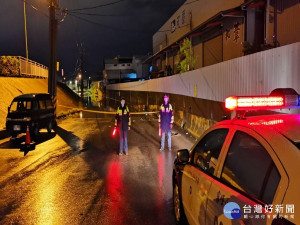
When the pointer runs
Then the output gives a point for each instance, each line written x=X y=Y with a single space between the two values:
x=254 y=74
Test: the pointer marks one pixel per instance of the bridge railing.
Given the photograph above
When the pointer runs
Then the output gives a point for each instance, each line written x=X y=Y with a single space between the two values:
x=20 y=66
x=32 y=68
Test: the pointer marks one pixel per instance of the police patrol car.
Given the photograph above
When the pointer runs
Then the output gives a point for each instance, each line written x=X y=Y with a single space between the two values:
x=245 y=170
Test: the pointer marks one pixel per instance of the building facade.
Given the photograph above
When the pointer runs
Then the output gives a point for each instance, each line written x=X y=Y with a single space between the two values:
x=123 y=69
x=220 y=30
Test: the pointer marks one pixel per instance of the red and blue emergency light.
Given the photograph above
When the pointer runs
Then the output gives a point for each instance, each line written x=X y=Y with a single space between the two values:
x=278 y=99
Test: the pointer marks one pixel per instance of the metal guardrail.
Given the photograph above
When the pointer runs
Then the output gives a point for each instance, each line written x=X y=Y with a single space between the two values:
x=20 y=66
x=32 y=68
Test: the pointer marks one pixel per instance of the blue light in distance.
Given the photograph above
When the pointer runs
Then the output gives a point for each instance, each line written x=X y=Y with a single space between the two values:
x=150 y=69
x=131 y=75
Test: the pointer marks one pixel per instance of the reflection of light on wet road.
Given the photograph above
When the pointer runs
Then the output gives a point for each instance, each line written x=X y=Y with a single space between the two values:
x=81 y=144
x=159 y=193
x=160 y=170
x=80 y=115
x=115 y=190
x=56 y=185
x=45 y=206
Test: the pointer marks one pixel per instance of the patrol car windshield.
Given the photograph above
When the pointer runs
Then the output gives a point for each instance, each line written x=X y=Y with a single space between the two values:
x=21 y=106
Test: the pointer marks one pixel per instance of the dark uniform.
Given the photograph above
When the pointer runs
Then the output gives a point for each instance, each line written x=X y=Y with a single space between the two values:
x=123 y=122
x=166 y=120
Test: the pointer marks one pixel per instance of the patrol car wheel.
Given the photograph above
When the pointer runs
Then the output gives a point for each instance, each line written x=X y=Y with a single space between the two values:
x=178 y=209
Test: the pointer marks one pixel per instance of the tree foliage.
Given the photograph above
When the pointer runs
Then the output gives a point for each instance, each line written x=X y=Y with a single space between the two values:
x=186 y=59
x=96 y=93
x=9 y=66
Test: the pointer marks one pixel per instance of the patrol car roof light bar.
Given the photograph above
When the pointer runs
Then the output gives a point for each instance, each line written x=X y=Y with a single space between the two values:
x=281 y=100
x=254 y=103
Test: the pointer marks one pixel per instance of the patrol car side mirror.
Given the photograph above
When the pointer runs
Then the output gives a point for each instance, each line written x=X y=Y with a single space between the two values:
x=183 y=156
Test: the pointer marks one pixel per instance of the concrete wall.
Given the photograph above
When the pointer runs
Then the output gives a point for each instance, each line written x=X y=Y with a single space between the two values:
x=193 y=114
x=11 y=87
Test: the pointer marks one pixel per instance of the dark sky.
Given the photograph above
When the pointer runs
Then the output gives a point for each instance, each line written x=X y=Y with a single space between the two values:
x=125 y=28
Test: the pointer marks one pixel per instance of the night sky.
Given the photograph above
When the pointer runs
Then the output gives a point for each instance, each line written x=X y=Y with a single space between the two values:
x=123 y=27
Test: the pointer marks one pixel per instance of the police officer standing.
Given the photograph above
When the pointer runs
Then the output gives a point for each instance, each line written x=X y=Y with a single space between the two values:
x=123 y=123
x=166 y=119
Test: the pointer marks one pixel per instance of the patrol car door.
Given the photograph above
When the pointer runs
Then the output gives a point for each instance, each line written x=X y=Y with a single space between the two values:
x=250 y=176
x=197 y=176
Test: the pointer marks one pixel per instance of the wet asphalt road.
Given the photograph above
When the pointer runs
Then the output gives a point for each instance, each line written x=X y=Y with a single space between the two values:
x=74 y=176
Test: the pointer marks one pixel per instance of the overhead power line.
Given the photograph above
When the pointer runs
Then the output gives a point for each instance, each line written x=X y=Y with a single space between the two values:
x=104 y=15
x=107 y=26
x=97 y=6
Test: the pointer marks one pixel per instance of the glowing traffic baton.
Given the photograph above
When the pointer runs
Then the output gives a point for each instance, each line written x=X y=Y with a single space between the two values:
x=114 y=132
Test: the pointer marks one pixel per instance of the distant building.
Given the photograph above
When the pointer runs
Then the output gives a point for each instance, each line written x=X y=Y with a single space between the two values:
x=123 y=69
x=220 y=30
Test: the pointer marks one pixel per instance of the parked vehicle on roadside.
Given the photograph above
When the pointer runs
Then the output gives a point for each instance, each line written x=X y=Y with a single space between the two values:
x=33 y=110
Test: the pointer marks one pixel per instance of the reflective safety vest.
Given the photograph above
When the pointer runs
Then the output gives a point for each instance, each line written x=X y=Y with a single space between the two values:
x=166 y=116
x=123 y=118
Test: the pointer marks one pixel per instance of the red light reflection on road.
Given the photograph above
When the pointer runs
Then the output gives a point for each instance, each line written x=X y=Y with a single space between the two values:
x=115 y=189
x=160 y=170
x=159 y=194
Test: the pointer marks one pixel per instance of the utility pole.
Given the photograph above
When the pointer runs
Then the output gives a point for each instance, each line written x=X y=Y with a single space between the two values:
x=52 y=89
